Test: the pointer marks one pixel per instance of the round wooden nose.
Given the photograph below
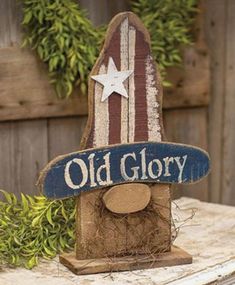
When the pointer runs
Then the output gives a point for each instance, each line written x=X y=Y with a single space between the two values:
x=127 y=198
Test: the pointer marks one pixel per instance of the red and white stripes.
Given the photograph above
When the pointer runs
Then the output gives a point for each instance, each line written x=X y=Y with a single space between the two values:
x=121 y=120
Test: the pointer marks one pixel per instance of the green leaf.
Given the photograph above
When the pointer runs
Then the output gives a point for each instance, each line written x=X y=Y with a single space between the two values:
x=7 y=196
x=36 y=221
x=64 y=213
x=33 y=261
x=49 y=252
x=24 y=203
x=27 y=17
x=48 y=215
x=73 y=60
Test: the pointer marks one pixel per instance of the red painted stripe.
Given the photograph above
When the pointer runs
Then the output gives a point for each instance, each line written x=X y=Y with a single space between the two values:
x=114 y=135
x=141 y=117
x=114 y=99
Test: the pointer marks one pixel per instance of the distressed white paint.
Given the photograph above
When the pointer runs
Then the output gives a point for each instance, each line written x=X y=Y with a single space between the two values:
x=143 y=163
x=135 y=163
x=159 y=169
x=84 y=172
x=101 y=122
x=104 y=168
x=180 y=165
x=89 y=174
x=210 y=275
x=144 y=170
x=134 y=169
x=92 y=170
x=154 y=127
x=124 y=66
x=167 y=161
x=132 y=42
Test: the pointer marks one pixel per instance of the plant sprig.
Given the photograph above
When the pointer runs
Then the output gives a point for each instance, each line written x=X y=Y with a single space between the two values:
x=34 y=227
x=68 y=43
x=64 y=39
x=169 y=23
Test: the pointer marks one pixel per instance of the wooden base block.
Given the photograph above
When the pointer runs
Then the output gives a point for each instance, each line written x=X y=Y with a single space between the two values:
x=176 y=256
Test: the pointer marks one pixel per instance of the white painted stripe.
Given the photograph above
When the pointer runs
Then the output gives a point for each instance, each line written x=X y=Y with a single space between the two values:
x=131 y=127
x=101 y=120
x=212 y=275
x=154 y=127
x=124 y=66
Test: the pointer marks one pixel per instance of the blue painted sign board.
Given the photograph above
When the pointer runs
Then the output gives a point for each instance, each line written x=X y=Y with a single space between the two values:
x=144 y=162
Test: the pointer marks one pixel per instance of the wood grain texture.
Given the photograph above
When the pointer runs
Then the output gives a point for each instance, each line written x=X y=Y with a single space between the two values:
x=90 y=266
x=36 y=98
x=228 y=177
x=18 y=104
x=215 y=24
x=25 y=91
x=144 y=162
x=6 y=157
x=191 y=81
x=188 y=126
x=64 y=135
x=127 y=198
x=113 y=47
x=104 y=10
x=23 y=153
x=117 y=239
x=109 y=235
x=10 y=18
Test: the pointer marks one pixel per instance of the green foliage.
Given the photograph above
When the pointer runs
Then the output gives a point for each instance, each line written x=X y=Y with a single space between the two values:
x=33 y=227
x=169 y=23
x=64 y=38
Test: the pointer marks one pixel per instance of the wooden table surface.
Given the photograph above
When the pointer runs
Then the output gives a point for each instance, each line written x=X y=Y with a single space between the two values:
x=209 y=237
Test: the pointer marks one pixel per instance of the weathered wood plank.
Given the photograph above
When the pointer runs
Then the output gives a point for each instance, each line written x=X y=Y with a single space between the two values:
x=64 y=135
x=113 y=236
x=6 y=157
x=10 y=18
x=176 y=256
x=25 y=91
x=191 y=81
x=228 y=177
x=30 y=154
x=188 y=126
x=215 y=21
x=89 y=170
x=101 y=12
x=23 y=153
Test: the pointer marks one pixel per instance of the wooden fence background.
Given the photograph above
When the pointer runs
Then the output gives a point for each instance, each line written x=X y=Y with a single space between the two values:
x=35 y=126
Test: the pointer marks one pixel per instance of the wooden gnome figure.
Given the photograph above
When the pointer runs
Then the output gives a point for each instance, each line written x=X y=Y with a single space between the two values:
x=122 y=174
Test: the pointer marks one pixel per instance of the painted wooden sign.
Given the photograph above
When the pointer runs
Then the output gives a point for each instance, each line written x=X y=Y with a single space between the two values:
x=123 y=157
x=137 y=162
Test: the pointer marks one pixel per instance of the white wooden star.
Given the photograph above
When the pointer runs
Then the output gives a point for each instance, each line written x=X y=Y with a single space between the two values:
x=112 y=80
